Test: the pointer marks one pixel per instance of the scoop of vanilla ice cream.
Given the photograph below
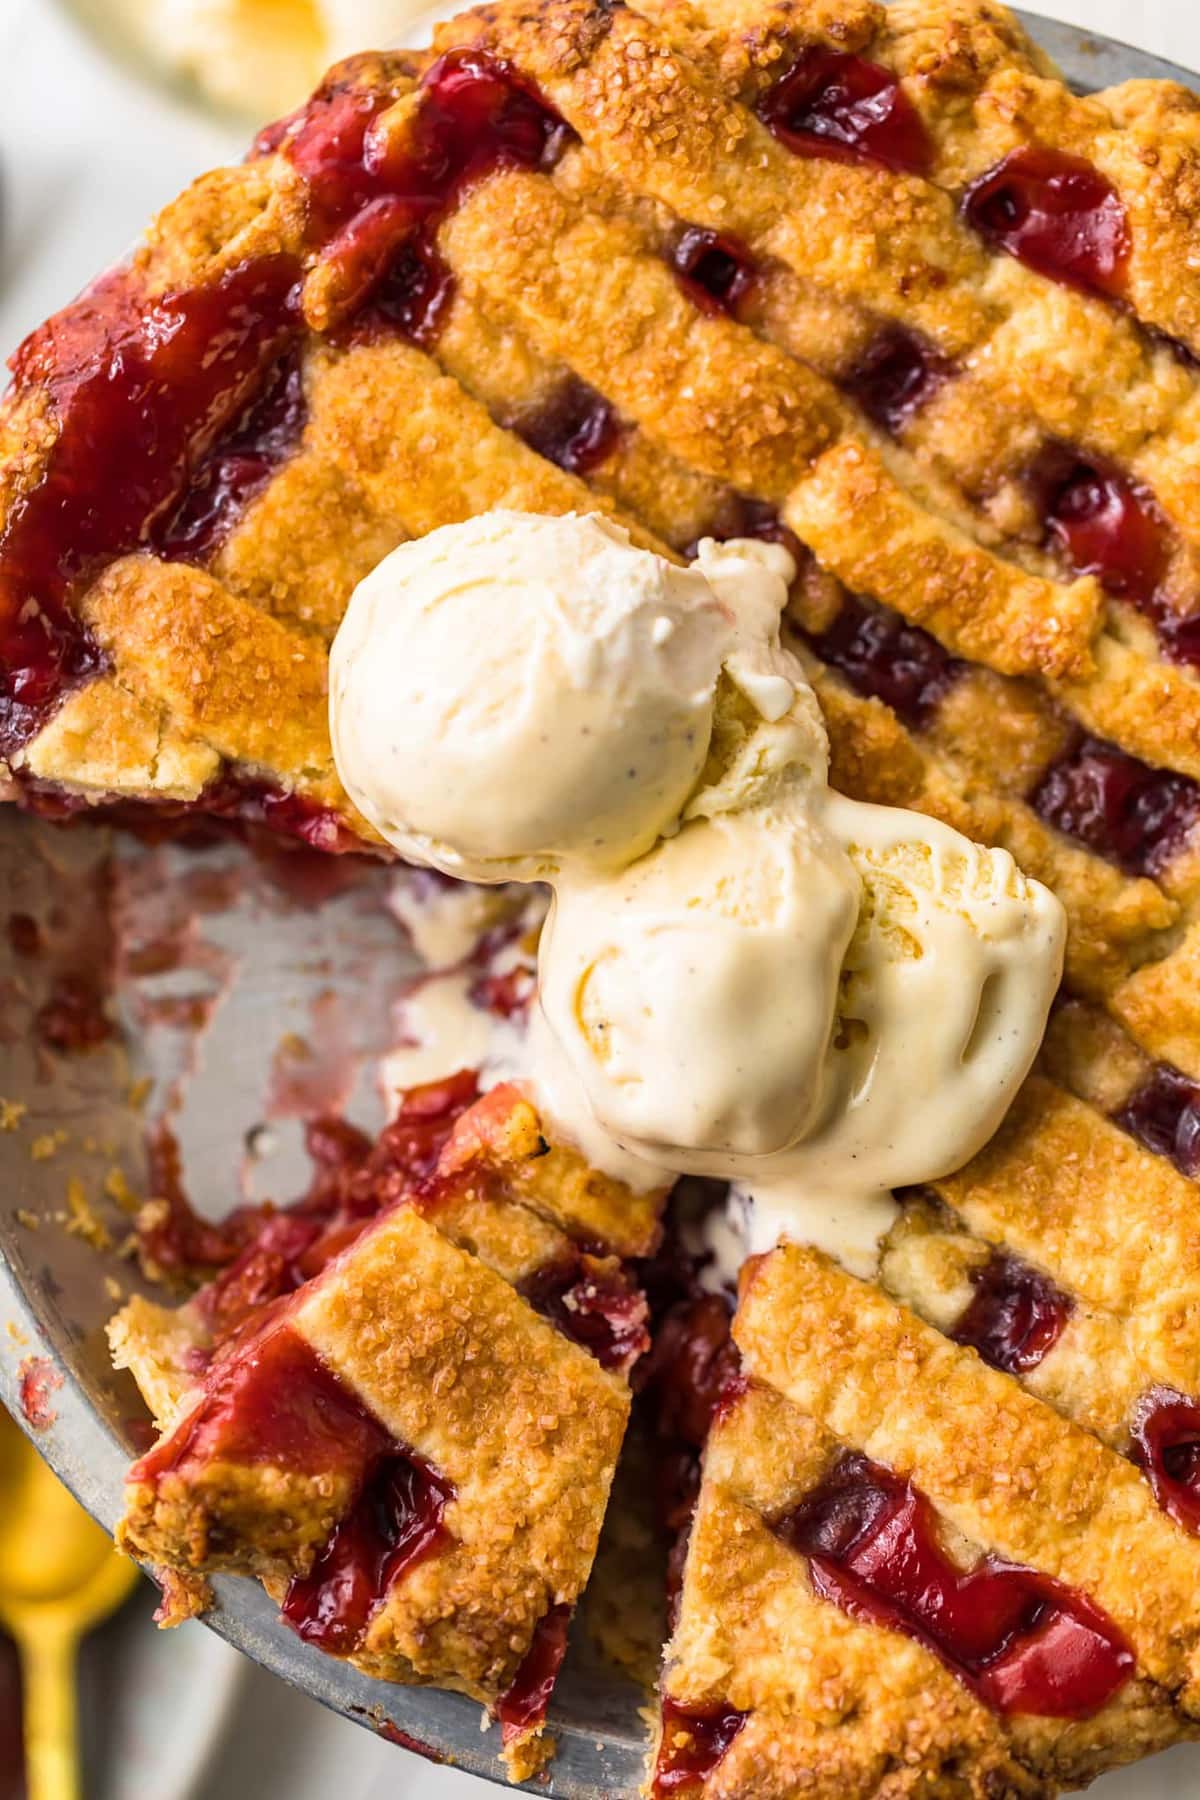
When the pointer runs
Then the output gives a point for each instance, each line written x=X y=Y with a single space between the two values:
x=695 y=991
x=768 y=996
x=517 y=692
x=945 y=989
x=751 y=579
x=255 y=56
x=743 y=973
x=263 y=56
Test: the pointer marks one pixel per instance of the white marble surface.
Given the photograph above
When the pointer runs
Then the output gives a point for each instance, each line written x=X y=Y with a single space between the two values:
x=87 y=153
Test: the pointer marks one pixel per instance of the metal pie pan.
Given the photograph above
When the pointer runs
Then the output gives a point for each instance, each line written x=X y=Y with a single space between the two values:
x=272 y=961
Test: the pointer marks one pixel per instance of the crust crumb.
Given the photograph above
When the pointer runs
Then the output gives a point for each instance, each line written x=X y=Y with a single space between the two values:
x=47 y=1145
x=84 y=1222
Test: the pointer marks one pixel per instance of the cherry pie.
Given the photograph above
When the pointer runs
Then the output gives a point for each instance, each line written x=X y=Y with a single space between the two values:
x=873 y=282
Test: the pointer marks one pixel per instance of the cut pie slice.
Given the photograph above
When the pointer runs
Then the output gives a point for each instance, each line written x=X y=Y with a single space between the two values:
x=406 y=1426
x=874 y=1602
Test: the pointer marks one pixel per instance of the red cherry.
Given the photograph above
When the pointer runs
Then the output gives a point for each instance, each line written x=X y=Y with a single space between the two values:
x=1057 y=214
x=1024 y=1642
x=839 y=106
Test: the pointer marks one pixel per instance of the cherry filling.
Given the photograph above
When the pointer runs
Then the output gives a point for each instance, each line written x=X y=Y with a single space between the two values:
x=395 y=1523
x=369 y=195
x=272 y=1400
x=741 y=517
x=1106 y=524
x=1166 y=1443
x=693 y=1363
x=409 y=300
x=714 y=270
x=269 y=1398
x=257 y=1254
x=1135 y=816
x=1109 y=525
x=24 y=934
x=152 y=397
x=40 y=1380
x=508 y=995
x=839 y=106
x=1178 y=634
x=692 y=1370
x=238 y=466
x=694 y=1739
x=405 y=1741
x=1164 y=1114
x=139 y=390
x=1015 y=1317
x=73 y=1017
x=1055 y=213
x=237 y=799
x=412 y=1144
x=887 y=659
x=173 y=1238
x=900 y=371
x=281 y=1256
x=592 y=1301
x=354 y=1182
x=575 y=427
x=1022 y=1641
x=477 y=114
x=250 y=802
x=523 y=1704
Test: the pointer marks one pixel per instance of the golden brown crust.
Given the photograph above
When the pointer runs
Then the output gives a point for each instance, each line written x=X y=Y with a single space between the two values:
x=1093 y=1372
x=501 y=1136
x=423 y=451
x=836 y=1706
x=260 y=1521
x=866 y=530
x=648 y=108
x=304 y=543
x=1158 y=1005
x=665 y=98
x=251 y=688
x=589 y=1203
x=650 y=94
x=884 y=1382
x=1113 y=1223
x=106 y=740
x=824 y=1703
x=1150 y=709
x=153 y=1343
x=740 y=411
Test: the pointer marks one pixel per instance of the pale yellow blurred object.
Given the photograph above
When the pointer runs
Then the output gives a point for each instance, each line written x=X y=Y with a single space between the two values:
x=259 y=58
x=59 y=1577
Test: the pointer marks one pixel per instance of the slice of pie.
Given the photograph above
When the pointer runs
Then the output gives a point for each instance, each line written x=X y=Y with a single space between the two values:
x=873 y=281
x=876 y=1601
x=399 y=1402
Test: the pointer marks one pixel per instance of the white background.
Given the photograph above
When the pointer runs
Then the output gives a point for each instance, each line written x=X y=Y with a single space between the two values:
x=87 y=153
